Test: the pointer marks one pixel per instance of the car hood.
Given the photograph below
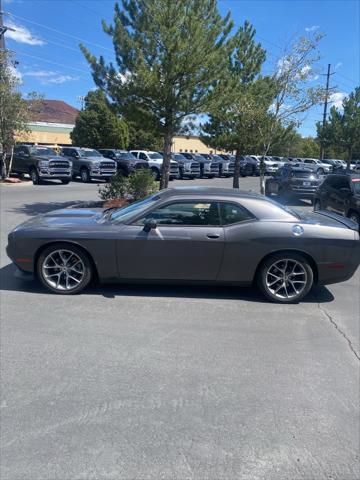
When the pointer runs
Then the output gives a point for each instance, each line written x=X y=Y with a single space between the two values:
x=65 y=218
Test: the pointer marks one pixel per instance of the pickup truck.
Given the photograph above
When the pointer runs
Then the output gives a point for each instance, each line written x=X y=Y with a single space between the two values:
x=288 y=181
x=155 y=161
x=126 y=162
x=208 y=168
x=41 y=163
x=89 y=164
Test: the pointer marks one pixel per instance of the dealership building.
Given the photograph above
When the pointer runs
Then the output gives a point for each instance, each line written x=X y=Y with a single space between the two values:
x=52 y=121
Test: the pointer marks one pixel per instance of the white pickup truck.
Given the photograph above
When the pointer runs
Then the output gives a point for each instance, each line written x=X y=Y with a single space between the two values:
x=155 y=161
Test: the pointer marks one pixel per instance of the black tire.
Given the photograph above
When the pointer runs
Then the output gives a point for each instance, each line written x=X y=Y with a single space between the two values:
x=34 y=175
x=320 y=171
x=65 y=182
x=355 y=217
x=85 y=175
x=302 y=289
x=155 y=173
x=317 y=205
x=86 y=267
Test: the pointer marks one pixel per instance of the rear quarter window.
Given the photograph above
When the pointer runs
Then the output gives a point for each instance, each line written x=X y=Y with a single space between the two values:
x=233 y=213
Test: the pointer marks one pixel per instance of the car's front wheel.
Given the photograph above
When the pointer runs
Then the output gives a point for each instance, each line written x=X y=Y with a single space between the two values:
x=317 y=205
x=355 y=217
x=64 y=269
x=285 y=278
x=35 y=177
x=85 y=175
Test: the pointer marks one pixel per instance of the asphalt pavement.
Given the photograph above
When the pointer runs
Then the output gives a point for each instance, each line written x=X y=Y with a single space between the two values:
x=169 y=382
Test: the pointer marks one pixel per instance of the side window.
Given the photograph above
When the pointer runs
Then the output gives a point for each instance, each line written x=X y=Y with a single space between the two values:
x=233 y=213
x=341 y=182
x=186 y=213
x=142 y=156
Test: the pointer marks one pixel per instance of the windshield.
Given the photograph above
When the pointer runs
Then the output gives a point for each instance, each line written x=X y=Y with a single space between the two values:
x=89 y=153
x=216 y=158
x=179 y=156
x=42 y=151
x=155 y=156
x=356 y=185
x=125 y=155
x=123 y=214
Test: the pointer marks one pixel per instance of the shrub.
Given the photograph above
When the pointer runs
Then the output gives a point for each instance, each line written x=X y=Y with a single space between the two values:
x=142 y=184
x=138 y=185
x=117 y=188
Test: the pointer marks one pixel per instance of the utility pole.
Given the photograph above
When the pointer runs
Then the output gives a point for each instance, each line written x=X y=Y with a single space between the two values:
x=2 y=29
x=322 y=146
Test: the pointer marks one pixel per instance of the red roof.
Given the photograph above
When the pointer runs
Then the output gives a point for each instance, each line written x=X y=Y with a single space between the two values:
x=52 y=111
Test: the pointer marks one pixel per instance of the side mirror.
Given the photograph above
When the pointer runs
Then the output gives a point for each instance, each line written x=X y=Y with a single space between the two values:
x=149 y=224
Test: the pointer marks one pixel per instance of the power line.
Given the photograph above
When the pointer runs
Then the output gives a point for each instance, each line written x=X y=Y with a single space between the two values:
x=59 y=31
x=54 y=63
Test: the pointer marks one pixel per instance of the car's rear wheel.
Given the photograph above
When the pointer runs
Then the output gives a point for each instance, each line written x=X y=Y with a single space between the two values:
x=85 y=175
x=64 y=269
x=35 y=177
x=65 y=182
x=285 y=278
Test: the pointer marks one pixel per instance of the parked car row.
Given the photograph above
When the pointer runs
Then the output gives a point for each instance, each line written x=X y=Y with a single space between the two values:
x=337 y=192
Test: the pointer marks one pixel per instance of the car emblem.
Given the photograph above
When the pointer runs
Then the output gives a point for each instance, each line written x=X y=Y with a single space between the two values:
x=297 y=230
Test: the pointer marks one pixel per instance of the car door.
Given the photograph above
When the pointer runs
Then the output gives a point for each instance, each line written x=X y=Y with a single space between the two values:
x=341 y=195
x=18 y=160
x=187 y=243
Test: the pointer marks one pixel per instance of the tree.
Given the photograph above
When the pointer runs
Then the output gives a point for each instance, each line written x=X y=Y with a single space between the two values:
x=14 y=109
x=170 y=58
x=97 y=126
x=292 y=95
x=343 y=128
x=234 y=125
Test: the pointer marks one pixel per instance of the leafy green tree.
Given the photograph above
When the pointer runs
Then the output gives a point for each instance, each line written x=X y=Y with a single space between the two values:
x=170 y=58
x=233 y=126
x=343 y=127
x=14 y=110
x=292 y=94
x=97 y=126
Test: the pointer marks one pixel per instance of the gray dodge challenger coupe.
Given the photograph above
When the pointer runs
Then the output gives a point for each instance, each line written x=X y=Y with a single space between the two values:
x=189 y=235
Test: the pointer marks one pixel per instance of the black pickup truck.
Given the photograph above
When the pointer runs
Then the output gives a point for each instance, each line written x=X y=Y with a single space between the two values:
x=41 y=163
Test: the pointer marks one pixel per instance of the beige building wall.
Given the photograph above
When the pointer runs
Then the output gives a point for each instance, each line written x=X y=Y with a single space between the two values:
x=192 y=144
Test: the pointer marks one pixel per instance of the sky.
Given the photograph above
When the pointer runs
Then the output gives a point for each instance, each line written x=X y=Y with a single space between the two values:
x=48 y=32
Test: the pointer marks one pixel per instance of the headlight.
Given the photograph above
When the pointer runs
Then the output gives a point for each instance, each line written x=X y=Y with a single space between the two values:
x=44 y=163
x=95 y=165
x=70 y=164
x=187 y=166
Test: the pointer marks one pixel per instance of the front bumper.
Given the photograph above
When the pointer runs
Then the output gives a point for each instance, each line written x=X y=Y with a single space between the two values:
x=102 y=173
x=43 y=173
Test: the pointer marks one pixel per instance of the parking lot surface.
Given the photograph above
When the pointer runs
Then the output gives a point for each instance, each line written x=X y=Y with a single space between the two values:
x=169 y=382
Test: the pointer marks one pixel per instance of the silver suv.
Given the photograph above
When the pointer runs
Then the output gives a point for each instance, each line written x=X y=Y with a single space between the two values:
x=89 y=164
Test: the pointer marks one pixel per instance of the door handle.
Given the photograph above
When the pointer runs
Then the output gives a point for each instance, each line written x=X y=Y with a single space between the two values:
x=213 y=235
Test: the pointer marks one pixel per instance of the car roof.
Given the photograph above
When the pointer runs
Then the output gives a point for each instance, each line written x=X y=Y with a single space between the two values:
x=209 y=191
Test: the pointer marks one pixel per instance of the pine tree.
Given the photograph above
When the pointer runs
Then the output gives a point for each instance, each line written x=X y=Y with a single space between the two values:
x=170 y=58
x=234 y=126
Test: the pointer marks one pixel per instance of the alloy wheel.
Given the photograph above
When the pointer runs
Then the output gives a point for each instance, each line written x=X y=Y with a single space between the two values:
x=286 y=279
x=63 y=270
